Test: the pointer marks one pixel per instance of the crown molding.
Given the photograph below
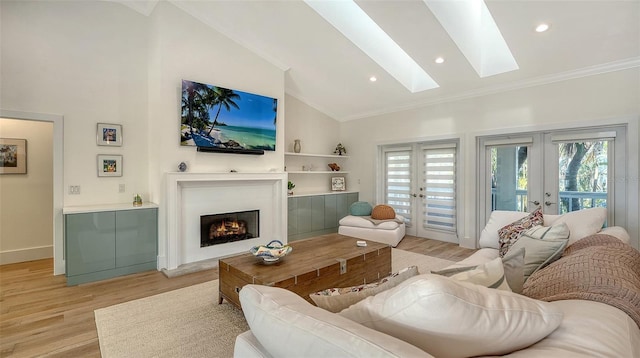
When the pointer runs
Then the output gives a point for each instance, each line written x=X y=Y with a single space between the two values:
x=516 y=85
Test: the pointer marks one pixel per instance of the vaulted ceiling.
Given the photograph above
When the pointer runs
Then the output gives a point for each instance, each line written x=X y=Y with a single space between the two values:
x=328 y=71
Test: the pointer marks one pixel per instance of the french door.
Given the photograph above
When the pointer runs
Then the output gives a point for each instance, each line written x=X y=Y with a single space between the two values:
x=560 y=171
x=419 y=182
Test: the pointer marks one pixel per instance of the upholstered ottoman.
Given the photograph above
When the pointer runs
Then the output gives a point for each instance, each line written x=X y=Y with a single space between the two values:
x=385 y=231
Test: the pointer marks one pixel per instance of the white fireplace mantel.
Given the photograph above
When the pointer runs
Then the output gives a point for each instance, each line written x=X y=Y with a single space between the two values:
x=273 y=184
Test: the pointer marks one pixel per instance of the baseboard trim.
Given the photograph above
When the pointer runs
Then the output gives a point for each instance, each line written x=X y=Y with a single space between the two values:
x=23 y=255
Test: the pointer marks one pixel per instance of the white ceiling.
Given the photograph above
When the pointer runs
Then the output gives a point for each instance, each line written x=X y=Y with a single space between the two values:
x=330 y=73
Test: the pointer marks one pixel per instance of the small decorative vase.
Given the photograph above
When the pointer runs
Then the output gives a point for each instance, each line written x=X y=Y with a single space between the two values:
x=296 y=145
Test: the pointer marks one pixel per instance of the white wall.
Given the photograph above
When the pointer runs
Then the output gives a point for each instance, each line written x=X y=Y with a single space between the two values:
x=183 y=48
x=318 y=134
x=100 y=62
x=26 y=218
x=606 y=98
x=86 y=61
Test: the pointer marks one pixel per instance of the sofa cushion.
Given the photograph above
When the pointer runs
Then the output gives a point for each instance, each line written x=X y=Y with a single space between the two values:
x=448 y=318
x=360 y=208
x=337 y=299
x=581 y=223
x=365 y=222
x=490 y=274
x=498 y=218
x=288 y=326
x=509 y=234
x=538 y=253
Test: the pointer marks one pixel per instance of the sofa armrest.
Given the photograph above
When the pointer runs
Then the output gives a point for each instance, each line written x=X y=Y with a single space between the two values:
x=618 y=232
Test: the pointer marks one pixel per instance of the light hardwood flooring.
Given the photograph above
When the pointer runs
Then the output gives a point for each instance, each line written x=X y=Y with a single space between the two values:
x=41 y=316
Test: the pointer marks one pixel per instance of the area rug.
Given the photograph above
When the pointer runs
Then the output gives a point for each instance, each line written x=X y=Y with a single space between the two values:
x=189 y=322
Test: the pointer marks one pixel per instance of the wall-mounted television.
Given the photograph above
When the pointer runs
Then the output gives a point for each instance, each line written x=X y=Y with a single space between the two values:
x=218 y=119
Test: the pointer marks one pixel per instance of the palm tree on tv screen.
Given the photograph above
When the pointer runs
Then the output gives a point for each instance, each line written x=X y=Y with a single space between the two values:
x=224 y=97
x=193 y=102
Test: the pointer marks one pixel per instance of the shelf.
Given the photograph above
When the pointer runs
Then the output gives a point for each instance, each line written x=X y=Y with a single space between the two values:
x=316 y=172
x=291 y=154
x=321 y=193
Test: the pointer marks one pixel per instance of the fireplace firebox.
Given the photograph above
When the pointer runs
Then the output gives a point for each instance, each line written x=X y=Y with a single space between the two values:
x=229 y=227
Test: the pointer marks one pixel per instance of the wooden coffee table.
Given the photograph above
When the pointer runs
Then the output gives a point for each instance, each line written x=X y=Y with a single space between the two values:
x=315 y=264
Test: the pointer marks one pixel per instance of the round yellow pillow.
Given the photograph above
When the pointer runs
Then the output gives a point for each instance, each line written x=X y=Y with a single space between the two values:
x=383 y=212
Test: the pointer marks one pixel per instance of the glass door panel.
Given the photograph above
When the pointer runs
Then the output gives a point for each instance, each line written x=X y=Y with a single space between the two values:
x=509 y=178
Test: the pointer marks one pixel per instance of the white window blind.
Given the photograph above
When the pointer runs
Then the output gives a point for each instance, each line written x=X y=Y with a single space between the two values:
x=398 y=181
x=440 y=187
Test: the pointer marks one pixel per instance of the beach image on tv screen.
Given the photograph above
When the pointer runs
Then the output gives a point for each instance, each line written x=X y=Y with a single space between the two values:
x=218 y=117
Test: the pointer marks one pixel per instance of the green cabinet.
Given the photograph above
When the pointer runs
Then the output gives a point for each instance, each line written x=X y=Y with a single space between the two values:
x=105 y=244
x=317 y=214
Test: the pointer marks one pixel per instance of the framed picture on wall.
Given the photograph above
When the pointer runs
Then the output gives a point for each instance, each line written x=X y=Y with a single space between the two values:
x=338 y=184
x=109 y=134
x=109 y=165
x=13 y=156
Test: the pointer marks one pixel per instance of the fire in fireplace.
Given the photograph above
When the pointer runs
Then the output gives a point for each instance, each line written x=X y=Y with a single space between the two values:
x=229 y=227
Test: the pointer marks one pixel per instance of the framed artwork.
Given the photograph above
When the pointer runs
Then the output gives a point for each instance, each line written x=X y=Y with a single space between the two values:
x=109 y=165
x=13 y=156
x=338 y=184
x=109 y=134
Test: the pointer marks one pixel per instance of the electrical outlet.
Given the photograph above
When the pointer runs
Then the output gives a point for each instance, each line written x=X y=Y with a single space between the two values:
x=74 y=189
x=121 y=188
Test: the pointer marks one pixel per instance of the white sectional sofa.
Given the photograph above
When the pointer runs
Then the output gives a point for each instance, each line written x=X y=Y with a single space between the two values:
x=432 y=315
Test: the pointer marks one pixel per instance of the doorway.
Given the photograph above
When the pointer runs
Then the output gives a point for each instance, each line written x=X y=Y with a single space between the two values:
x=560 y=171
x=58 y=184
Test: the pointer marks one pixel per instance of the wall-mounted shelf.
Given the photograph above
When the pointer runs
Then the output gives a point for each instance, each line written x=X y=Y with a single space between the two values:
x=316 y=172
x=291 y=154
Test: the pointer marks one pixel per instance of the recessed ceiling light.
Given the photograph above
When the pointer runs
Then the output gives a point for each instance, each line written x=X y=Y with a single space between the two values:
x=373 y=78
x=439 y=60
x=542 y=27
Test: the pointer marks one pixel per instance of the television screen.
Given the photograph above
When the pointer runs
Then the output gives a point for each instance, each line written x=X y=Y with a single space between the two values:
x=221 y=119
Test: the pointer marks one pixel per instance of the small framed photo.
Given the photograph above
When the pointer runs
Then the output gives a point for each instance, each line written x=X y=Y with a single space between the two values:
x=13 y=156
x=338 y=184
x=109 y=165
x=109 y=134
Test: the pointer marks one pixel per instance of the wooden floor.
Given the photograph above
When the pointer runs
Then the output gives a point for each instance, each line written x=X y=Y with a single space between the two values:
x=41 y=316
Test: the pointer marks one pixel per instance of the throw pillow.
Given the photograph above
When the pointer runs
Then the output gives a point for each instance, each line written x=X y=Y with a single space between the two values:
x=513 y=263
x=490 y=274
x=538 y=253
x=511 y=233
x=360 y=208
x=286 y=325
x=448 y=318
x=583 y=222
x=558 y=231
x=383 y=212
x=337 y=299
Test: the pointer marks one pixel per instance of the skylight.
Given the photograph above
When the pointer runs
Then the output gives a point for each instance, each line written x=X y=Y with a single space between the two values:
x=348 y=18
x=471 y=26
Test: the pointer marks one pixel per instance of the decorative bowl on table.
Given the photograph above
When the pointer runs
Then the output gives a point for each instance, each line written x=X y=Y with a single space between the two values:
x=271 y=252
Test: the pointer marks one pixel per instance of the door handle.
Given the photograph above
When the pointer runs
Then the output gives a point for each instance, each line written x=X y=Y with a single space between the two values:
x=535 y=202
x=414 y=195
x=547 y=203
x=421 y=195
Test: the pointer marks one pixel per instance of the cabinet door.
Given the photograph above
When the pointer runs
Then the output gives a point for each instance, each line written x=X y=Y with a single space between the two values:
x=330 y=211
x=317 y=212
x=292 y=218
x=136 y=237
x=90 y=242
x=304 y=214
